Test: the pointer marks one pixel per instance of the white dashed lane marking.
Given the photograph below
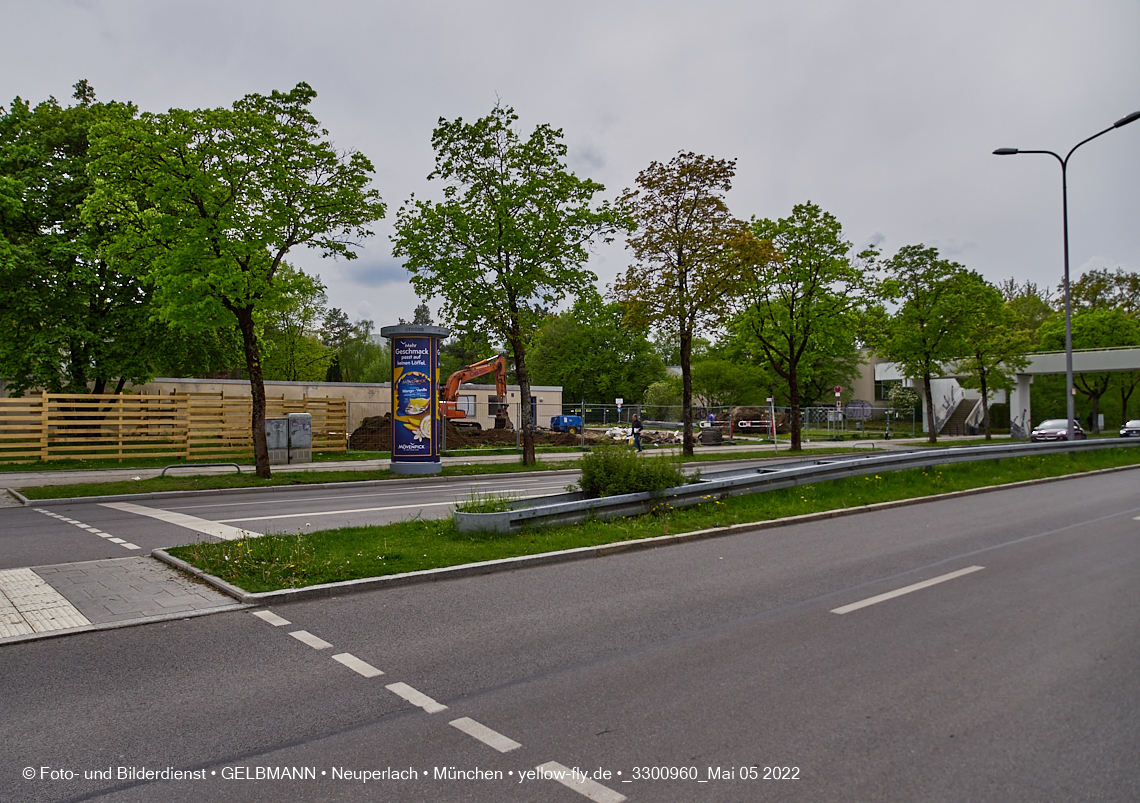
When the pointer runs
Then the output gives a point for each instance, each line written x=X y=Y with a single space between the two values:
x=854 y=606
x=89 y=528
x=416 y=698
x=272 y=618
x=357 y=666
x=579 y=783
x=305 y=637
x=485 y=735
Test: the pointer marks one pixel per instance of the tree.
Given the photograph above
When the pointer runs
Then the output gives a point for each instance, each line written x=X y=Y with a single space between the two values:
x=1099 y=289
x=69 y=321
x=725 y=383
x=927 y=331
x=590 y=352
x=1029 y=306
x=995 y=347
x=225 y=195
x=293 y=352
x=691 y=257
x=510 y=237
x=803 y=303
x=1094 y=329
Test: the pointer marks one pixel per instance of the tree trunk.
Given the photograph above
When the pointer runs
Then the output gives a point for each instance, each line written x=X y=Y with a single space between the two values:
x=257 y=389
x=794 y=401
x=686 y=394
x=526 y=412
x=985 y=404
x=931 y=428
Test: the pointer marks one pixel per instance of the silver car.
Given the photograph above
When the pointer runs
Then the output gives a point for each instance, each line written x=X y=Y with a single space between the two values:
x=1131 y=429
x=1056 y=429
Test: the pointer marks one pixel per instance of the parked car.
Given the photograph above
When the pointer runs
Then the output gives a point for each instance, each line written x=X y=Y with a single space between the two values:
x=1056 y=429
x=1131 y=429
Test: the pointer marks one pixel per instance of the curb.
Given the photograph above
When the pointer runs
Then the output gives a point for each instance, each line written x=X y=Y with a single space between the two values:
x=145 y=620
x=580 y=553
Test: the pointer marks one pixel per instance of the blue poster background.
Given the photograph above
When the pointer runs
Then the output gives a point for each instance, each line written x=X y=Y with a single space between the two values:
x=415 y=400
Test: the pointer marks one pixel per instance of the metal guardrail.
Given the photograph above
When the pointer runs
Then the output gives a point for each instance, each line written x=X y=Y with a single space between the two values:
x=574 y=508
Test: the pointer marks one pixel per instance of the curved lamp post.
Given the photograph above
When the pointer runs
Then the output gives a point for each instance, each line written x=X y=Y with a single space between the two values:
x=1123 y=121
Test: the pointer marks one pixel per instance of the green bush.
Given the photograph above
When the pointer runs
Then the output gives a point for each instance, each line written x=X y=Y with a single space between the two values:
x=613 y=470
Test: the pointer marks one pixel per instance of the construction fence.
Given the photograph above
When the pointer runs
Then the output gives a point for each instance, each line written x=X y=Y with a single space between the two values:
x=191 y=426
x=815 y=422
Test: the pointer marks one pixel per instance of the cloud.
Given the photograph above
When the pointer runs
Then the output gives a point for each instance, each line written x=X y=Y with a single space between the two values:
x=374 y=272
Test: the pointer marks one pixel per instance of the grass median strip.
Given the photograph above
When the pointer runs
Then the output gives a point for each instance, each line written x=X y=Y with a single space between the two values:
x=296 y=560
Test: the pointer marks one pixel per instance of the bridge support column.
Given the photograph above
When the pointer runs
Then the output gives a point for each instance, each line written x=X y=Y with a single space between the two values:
x=1020 y=415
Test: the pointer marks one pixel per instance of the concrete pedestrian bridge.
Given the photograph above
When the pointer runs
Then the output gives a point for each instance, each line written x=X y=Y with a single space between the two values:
x=949 y=395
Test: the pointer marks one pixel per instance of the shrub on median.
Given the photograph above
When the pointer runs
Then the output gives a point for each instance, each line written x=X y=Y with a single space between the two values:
x=613 y=470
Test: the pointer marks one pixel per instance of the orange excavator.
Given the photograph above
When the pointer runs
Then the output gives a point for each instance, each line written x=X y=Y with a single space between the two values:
x=449 y=392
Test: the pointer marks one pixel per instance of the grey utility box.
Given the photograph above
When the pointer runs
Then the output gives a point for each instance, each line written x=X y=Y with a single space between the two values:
x=277 y=440
x=300 y=437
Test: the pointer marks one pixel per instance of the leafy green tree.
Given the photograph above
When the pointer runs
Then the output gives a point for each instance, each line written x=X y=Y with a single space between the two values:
x=662 y=398
x=69 y=321
x=725 y=383
x=510 y=237
x=1029 y=307
x=804 y=303
x=293 y=351
x=1099 y=289
x=937 y=299
x=208 y=204
x=590 y=352
x=1093 y=329
x=995 y=347
x=691 y=257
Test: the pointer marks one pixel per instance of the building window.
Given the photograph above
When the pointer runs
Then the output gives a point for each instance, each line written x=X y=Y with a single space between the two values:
x=883 y=388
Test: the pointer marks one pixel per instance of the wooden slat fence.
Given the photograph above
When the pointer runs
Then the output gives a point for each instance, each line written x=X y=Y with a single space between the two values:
x=200 y=426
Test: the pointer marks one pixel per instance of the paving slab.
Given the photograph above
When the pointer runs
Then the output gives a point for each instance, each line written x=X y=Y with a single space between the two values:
x=98 y=594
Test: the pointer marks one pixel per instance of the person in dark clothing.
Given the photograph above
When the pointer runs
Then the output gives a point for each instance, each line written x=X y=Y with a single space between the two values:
x=635 y=426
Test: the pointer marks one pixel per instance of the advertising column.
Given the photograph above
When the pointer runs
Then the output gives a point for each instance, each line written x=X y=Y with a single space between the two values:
x=416 y=424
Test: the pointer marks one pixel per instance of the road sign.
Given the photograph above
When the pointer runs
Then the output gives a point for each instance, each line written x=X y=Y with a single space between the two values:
x=619 y=402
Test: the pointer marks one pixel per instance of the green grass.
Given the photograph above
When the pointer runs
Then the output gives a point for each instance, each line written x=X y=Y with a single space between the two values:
x=291 y=561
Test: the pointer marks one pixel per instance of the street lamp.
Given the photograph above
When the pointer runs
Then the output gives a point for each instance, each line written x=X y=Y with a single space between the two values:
x=1123 y=121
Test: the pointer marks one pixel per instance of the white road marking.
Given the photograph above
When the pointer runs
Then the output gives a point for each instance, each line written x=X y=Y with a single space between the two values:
x=90 y=529
x=416 y=698
x=28 y=604
x=368 y=495
x=365 y=509
x=216 y=529
x=554 y=771
x=357 y=666
x=334 y=512
x=854 y=606
x=305 y=637
x=271 y=617
x=485 y=735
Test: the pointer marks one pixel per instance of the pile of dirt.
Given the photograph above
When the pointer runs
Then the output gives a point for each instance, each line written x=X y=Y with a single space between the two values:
x=375 y=435
x=783 y=424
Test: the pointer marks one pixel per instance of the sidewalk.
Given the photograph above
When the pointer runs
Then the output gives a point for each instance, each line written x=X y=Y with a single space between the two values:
x=45 y=601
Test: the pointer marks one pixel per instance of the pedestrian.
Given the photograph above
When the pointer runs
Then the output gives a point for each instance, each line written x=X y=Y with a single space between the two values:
x=635 y=426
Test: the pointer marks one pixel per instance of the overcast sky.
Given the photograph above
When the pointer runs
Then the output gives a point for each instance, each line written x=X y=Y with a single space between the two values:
x=883 y=112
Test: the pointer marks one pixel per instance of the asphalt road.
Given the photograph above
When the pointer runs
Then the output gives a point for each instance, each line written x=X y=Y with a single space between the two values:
x=1015 y=677
x=31 y=537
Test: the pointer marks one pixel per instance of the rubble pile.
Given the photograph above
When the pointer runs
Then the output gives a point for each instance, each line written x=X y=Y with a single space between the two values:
x=375 y=435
